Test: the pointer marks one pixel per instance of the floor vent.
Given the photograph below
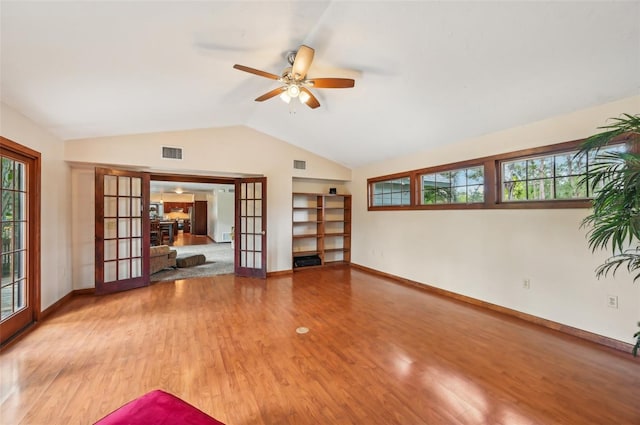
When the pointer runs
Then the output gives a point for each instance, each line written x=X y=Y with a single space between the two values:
x=299 y=165
x=171 y=153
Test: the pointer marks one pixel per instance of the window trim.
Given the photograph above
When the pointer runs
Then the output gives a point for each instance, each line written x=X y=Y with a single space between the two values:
x=492 y=181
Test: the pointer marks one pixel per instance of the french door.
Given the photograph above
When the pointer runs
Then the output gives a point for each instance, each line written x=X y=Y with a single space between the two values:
x=20 y=249
x=250 y=227
x=122 y=245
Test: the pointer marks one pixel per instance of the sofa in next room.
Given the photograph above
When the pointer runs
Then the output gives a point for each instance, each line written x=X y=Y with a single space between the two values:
x=161 y=257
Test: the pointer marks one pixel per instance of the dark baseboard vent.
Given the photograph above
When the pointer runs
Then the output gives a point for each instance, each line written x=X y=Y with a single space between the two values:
x=299 y=165
x=171 y=153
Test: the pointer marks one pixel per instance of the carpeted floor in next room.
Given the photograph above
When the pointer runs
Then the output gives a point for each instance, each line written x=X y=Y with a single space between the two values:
x=219 y=261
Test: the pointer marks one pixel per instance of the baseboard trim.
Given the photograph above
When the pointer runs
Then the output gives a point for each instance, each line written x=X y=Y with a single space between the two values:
x=84 y=291
x=55 y=306
x=579 y=333
x=280 y=273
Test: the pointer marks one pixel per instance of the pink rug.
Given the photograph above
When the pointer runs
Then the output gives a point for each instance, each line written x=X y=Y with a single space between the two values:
x=158 y=408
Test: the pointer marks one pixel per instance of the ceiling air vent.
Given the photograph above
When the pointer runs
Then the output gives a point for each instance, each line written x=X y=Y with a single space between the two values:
x=171 y=153
x=299 y=165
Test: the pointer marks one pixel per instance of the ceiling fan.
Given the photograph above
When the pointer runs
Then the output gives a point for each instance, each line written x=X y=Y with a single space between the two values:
x=294 y=78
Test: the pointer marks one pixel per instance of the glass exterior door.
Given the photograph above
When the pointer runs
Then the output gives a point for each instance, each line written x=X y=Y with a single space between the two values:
x=251 y=225
x=122 y=262
x=19 y=252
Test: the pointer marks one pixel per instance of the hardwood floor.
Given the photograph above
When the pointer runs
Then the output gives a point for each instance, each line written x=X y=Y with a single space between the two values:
x=184 y=239
x=376 y=353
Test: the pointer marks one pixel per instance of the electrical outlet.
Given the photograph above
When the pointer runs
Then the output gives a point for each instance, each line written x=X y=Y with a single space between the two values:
x=612 y=301
x=526 y=283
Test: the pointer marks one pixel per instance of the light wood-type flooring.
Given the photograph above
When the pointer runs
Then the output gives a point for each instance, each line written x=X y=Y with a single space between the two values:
x=376 y=353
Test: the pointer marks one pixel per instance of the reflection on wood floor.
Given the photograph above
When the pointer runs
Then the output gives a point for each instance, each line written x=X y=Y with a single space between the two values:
x=376 y=353
x=184 y=239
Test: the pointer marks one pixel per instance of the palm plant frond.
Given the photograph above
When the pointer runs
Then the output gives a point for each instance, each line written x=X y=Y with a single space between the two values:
x=620 y=129
x=636 y=347
x=614 y=181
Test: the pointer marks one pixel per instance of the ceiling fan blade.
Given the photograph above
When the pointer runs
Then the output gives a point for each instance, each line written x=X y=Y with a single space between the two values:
x=270 y=94
x=256 y=72
x=312 y=102
x=302 y=62
x=331 y=83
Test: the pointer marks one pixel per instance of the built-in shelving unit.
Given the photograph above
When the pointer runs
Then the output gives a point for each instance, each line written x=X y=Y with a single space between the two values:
x=321 y=229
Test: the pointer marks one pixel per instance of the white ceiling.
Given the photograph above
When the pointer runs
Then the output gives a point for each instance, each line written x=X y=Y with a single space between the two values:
x=427 y=73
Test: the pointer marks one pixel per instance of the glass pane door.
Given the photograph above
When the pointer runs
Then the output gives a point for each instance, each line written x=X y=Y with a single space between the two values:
x=120 y=239
x=251 y=220
x=14 y=288
x=20 y=237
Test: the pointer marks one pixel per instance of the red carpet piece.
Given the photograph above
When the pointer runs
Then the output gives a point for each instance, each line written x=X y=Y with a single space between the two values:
x=158 y=408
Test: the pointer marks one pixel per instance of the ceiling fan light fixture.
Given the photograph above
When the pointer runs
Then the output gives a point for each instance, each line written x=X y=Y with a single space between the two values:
x=293 y=90
x=304 y=97
x=285 y=97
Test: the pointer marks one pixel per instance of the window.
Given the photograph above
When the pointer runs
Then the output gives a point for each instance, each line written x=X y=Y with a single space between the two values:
x=461 y=186
x=551 y=176
x=394 y=192
x=559 y=176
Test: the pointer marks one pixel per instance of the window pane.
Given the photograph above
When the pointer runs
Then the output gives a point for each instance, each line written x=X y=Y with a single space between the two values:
x=429 y=196
x=540 y=167
x=7 y=205
x=453 y=186
x=475 y=193
x=136 y=267
x=109 y=271
x=443 y=196
x=395 y=192
x=475 y=175
x=20 y=206
x=7 y=173
x=124 y=205
x=110 y=228
x=123 y=269
x=514 y=170
x=540 y=190
x=514 y=191
x=124 y=186
x=459 y=195
x=459 y=178
x=110 y=203
x=110 y=185
x=569 y=165
x=444 y=177
x=136 y=184
x=570 y=188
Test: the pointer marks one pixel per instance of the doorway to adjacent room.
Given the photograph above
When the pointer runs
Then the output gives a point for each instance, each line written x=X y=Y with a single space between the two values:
x=193 y=219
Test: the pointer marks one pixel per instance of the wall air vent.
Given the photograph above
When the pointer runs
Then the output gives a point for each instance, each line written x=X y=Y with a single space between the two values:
x=171 y=153
x=299 y=165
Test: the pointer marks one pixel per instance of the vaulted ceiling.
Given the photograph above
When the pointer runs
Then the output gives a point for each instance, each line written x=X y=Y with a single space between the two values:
x=427 y=73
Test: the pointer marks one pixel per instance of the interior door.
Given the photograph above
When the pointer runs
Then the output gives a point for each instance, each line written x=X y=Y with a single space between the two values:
x=122 y=245
x=250 y=227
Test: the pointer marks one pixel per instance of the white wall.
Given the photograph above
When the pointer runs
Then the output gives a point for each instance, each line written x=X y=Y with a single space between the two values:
x=212 y=152
x=223 y=217
x=56 y=231
x=83 y=219
x=486 y=254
